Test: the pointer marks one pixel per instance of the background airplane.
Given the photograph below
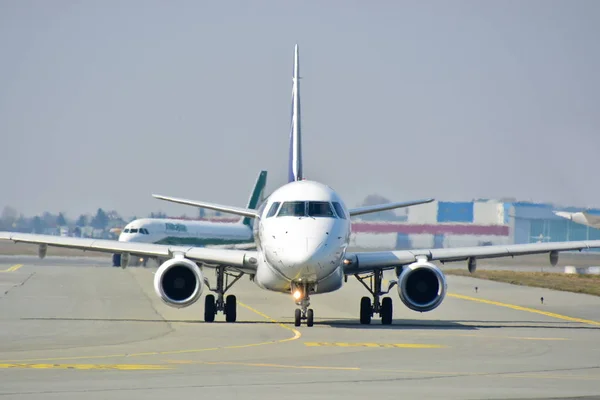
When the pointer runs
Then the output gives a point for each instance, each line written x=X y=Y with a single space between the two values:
x=582 y=217
x=302 y=232
x=193 y=233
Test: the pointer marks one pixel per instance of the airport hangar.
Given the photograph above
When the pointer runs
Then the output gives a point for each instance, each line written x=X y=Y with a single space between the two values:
x=474 y=223
x=479 y=222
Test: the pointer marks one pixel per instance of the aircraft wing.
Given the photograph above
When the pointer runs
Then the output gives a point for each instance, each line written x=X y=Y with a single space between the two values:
x=361 y=262
x=238 y=246
x=240 y=259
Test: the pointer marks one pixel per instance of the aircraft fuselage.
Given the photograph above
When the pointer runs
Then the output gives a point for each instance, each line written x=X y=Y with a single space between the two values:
x=301 y=238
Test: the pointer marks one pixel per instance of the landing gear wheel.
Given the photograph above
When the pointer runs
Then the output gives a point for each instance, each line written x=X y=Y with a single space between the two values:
x=368 y=308
x=386 y=311
x=297 y=317
x=210 y=308
x=309 y=317
x=230 y=308
x=365 y=311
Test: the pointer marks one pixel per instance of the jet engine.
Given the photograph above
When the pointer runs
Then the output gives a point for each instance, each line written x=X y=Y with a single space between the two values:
x=422 y=286
x=178 y=282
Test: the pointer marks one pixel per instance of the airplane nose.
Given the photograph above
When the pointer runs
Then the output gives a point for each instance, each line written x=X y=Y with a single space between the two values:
x=295 y=257
x=300 y=252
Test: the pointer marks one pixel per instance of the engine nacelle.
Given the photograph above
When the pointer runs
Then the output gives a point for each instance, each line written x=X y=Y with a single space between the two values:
x=422 y=286
x=179 y=282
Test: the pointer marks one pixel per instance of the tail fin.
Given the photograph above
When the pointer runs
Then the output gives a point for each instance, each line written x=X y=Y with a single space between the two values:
x=295 y=166
x=256 y=196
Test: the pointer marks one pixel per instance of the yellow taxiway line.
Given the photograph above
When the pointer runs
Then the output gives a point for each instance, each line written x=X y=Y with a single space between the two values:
x=519 y=308
x=122 y=367
x=12 y=269
x=384 y=345
x=296 y=336
x=526 y=309
x=447 y=374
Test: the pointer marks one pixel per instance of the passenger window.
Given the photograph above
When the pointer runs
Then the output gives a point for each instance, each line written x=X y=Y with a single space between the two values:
x=293 y=209
x=339 y=210
x=320 y=209
x=273 y=209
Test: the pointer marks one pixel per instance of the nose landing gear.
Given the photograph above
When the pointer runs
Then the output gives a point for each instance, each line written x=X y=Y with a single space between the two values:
x=302 y=298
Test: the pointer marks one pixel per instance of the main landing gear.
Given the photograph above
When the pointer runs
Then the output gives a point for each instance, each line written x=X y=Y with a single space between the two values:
x=385 y=308
x=301 y=295
x=227 y=305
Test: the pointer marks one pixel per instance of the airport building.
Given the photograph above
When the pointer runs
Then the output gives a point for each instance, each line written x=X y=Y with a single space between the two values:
x=475 y=223
x=469 y=223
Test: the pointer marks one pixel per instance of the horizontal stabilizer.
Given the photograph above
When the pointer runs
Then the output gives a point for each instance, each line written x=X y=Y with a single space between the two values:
x=385 y=207
x=217 y=207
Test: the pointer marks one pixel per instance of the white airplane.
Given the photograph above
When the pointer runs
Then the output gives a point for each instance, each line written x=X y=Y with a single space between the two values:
x=301 y=232
x=582 y=217
x=193 y=233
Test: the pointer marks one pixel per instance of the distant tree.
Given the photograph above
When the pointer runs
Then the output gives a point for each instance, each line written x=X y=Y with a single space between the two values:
x=82 y=221
x=60 y=220
x=9 y=216
x=38 y=224
x=100 y=220
x=49 y=219
x=21 y=222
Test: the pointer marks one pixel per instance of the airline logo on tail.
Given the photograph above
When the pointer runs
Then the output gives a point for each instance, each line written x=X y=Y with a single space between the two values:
x=295 y=167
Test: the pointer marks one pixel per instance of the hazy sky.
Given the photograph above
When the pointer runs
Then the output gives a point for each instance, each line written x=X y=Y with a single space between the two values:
x=103 y=103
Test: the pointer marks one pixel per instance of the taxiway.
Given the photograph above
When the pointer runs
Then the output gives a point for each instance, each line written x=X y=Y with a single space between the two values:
x=73 y=328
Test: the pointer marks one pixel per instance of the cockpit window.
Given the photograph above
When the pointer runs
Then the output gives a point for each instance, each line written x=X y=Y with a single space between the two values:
x=126 y=230
x=273 y=209
x=144 y=231
x=320 y=209
x=133 y=231
x=293 y=209
x=306 y=208
x=339 y=210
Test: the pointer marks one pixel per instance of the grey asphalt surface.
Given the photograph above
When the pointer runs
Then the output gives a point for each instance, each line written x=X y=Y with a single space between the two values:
x=77 y=328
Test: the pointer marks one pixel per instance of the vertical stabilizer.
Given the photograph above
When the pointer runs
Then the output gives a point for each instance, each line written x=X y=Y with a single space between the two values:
x=295 y=167
x=256 y=196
